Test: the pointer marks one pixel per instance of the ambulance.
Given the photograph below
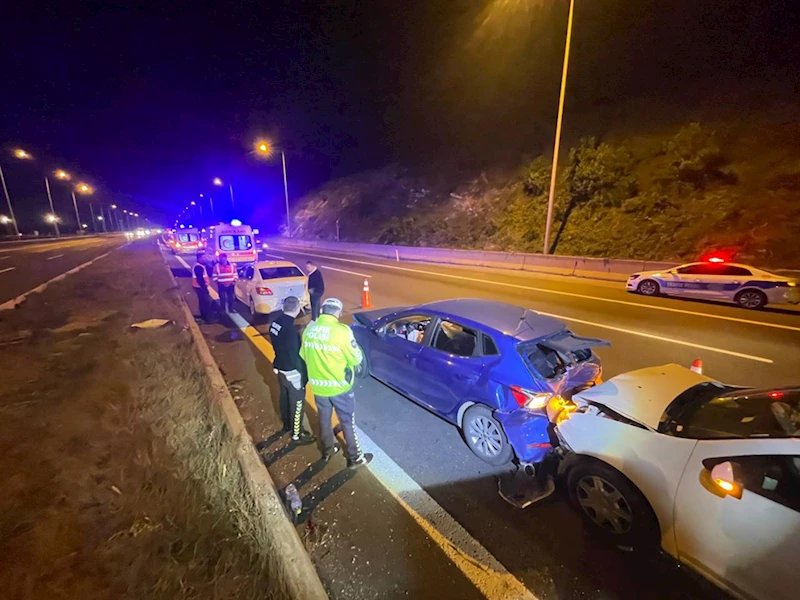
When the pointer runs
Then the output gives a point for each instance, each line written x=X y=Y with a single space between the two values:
x=186 y=241
x=236 y=240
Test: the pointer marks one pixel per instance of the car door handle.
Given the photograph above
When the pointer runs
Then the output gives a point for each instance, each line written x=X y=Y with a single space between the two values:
x=737 y=282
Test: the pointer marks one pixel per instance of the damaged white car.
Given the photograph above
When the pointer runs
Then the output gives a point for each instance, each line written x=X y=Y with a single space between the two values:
x=711 y=472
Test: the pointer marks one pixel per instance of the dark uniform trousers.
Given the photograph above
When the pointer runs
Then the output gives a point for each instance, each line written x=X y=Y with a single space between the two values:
x=345 y=406
x=291 y=405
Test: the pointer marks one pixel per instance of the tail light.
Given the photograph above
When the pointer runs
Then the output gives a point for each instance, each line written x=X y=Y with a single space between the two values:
x=177 y=244
x=559 y=409
x=263 y=291
x=528 y=399
x=216 y=253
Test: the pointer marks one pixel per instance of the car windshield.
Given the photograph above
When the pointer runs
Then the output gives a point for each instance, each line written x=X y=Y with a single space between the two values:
x=228 y=243
x=279 y=272
x=712 y=411
x=188 y=237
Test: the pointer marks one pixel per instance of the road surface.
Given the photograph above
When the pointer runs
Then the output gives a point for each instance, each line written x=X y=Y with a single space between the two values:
x=423 y=466
x=25 y=265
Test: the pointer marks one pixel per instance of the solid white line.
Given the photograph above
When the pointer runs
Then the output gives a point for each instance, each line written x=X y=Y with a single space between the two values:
x=8 y=269
x=56 y=256
x=273 y=256
x=660 y=338
x=557 y=292
x=485 y=572
x=346 y=271
x=4 y=257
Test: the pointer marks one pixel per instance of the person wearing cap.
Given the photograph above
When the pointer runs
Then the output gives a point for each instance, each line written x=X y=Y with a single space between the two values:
x=291 y=372
x=200 y=283
x=225 y=275
x=332 y=356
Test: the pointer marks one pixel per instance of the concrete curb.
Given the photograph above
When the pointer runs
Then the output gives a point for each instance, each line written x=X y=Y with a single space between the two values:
x=293 y=566
x=8 y=305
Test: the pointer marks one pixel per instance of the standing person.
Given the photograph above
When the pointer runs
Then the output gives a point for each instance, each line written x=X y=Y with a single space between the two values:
x=226 y=276
x=316 y=287
x=291 y=372
x=332 y=355
x=200 y=283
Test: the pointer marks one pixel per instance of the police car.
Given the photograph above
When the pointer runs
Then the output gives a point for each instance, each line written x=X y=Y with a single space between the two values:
x=716 y=279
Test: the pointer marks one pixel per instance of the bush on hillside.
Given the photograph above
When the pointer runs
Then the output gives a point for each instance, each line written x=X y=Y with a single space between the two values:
x=694 y=156
x=600 y=174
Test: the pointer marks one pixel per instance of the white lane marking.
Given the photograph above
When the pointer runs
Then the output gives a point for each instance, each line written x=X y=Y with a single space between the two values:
x=557 y=292
x=346 y=271
x=660 y=338
x=484 y=571
x=7 y=269
x=56 y=256
x=4 y=257
x=273 y=255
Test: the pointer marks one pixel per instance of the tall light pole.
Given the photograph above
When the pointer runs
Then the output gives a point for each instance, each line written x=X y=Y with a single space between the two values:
x=264 y=148
x=81 y=188
x=546 y=249
x=218 y=182
x=52 y=210
x=8 y=202
x=77 y=214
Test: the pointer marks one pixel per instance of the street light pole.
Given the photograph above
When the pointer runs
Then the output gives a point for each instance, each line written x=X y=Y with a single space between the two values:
x=52 y=210
x=77 y=214
x=558 y=130
x=230 y=187
x=8 y=202
x=286 y=195
x=91 y=213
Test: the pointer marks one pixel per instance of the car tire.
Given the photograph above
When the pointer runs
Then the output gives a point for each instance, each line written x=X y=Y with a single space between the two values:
x=611 y=503
x=648 y=287
x=362 y=371
x=253 y=314
x=752 y=299
x=484 y=435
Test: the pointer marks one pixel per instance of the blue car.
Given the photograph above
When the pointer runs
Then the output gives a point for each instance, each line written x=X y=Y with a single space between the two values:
x=488 y=367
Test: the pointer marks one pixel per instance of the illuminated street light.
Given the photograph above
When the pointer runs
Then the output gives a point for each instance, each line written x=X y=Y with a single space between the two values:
x=8 y=203
x=99 y=218
x=264 y=149
x=51 y=218
x=192 y=203
x=21 y=154
x=4 y=220
x=217 y=181
x=84 y=188
x=114 y=206
x=61 y=174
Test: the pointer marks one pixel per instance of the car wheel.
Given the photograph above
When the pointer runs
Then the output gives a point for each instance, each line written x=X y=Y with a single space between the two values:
x=648 y=287
x=485 y=436
x=752 y=299
x=362 y=370
x=253 y=314
x=609 y=501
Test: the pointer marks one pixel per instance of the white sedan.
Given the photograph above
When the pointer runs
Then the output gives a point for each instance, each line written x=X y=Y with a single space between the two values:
x=712 y=472
x=262 y=286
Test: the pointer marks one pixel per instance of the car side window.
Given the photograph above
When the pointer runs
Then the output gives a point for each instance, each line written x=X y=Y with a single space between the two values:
x=411 y=328
x=456 y=339
x=248 y=272
x=489 y=347
x=736 y=272
x=776 y=478
x=690 y=270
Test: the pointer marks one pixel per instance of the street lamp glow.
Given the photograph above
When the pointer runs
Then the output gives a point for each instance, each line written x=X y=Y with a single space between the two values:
x=114 y=206
x=4 y=219
x=264 y=148
x=135 y=214
x=51 y=218
x=99 y=218
x=192 y=203
x=84 y=188
x=61 y=174
x=21 y=154
x=216 y=181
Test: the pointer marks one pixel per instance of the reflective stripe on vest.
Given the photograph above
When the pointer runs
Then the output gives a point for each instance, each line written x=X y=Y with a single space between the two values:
x=225 y=273
x=195 y=283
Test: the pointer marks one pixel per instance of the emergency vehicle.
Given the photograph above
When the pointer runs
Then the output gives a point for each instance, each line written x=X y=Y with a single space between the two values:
x=716 y=279
x=186 y=241
x=236 y=240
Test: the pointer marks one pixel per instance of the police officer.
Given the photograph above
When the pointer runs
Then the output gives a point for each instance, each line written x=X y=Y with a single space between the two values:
x=200 y=284
x=291 y=372
x=332 y=355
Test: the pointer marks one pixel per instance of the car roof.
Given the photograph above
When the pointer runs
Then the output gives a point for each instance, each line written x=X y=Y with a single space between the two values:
x=265 y=264
x=755 y=270
x=515 y=321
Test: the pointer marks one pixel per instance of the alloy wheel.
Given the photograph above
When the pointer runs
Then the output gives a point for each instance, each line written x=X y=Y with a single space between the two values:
x=485 y=436
x=751 y=300
x=648 y=288
x=604 y=504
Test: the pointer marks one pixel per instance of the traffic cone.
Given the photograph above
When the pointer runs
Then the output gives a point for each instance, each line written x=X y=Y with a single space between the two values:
x=697 y=366
x=366 y=301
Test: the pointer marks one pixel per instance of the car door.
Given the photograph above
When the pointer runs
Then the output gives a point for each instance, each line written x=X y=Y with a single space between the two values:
x=691 y=280
x=449 y=366
x=244 y=284
x=749 y=545
x=393 y=357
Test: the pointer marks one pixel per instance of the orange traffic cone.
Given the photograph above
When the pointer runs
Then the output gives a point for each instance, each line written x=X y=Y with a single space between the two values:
x=697 y=366
x=366 y=301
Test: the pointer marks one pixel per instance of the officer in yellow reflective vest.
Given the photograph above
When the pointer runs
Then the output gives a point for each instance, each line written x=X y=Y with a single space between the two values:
x=332 y=355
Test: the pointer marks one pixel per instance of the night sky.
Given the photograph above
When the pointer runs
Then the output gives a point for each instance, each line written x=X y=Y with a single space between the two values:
x=150 y=100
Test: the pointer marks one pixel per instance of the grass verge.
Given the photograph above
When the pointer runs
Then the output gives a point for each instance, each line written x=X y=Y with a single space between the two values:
x=119 y=478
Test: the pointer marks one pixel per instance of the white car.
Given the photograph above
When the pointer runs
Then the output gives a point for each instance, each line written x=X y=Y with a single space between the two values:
x=711 y=471
x=262 y=286
x=717 y=280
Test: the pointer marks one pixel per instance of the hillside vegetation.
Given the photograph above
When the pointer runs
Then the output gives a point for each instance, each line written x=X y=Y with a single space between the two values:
x=671 y=195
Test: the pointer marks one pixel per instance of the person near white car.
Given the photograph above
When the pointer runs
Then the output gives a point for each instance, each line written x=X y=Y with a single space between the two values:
x=711 y=472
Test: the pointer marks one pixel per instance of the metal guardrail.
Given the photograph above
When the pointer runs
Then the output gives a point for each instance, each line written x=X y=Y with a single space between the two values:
x=520 y=261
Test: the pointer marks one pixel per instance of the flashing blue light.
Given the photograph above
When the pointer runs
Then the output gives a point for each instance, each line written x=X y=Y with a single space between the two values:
x=236 y=223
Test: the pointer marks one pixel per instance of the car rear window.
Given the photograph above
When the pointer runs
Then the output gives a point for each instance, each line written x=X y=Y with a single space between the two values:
x=279 y=272
x=708 y=411
x=230 y=243
x=550 y=363
x=188 y=237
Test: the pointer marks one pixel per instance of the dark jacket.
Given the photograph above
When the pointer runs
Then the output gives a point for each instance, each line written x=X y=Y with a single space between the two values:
x=199 y=274
x=316 y=286
x=286 y=342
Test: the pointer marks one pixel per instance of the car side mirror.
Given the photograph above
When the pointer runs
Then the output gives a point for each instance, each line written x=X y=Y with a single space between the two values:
x=723 y=480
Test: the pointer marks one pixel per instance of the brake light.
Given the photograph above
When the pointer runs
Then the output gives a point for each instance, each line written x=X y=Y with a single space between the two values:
x=263 y=291
x=527 y=399
x=177 y=244
x=775 y=395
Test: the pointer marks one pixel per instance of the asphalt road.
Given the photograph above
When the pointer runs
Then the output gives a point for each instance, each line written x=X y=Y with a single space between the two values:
x=545 y=546
x=25 y=265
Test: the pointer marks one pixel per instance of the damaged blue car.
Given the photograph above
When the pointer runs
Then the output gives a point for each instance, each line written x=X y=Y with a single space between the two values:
x=487 y=367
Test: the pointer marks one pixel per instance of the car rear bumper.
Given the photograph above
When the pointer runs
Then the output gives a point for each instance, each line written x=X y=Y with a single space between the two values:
x=527 y=432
